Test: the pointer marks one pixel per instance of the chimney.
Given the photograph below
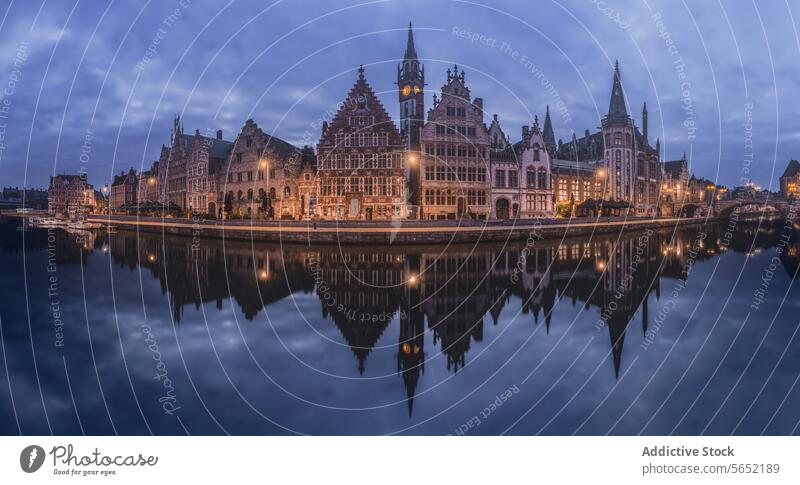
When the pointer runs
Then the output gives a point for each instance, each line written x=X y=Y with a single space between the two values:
x=219 y=134
x=525 y=129
x=495 y=116
x=478 y=102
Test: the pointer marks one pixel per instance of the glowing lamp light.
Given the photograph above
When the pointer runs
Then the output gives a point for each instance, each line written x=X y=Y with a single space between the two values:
x=263 y=164
x=263 y=275
x=151 y=257
x=406 y=348
x=412 y=280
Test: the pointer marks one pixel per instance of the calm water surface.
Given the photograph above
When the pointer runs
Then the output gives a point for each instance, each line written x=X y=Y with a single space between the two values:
x=680 y=332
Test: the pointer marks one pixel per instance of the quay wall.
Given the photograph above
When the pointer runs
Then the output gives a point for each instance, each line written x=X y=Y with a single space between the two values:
x=407 y=232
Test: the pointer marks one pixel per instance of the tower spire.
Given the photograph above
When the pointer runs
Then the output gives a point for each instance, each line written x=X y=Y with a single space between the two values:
x=616 y=108
x=411 y=52
x=644 y=123
x=549 y=137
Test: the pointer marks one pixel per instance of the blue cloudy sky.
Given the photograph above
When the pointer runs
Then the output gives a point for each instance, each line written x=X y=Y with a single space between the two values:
x=95 y=84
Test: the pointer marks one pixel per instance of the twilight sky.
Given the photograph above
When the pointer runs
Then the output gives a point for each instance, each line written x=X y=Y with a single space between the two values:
x=94 y=85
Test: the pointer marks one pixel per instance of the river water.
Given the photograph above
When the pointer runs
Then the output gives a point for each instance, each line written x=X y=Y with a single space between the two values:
x=682 y=331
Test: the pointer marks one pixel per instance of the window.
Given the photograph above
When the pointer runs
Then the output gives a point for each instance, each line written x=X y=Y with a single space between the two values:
x=260 y=175
x=512 y=179
x=618 y=138
x=250 y=194
x=499 y=178
x=239 y=195
x=238 y=158
x=542 y=178
x=287 y=192
x=530 y=177
x=272 y=194
x=536 y=153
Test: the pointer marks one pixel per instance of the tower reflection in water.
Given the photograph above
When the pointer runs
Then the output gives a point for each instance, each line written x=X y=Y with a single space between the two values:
x=451 y=293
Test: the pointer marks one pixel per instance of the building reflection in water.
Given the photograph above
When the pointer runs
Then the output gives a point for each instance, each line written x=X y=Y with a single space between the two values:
x=451 y=294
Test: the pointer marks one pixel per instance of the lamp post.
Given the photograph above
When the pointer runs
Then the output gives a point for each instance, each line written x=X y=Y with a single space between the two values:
x=601 y=174
x=104 y=190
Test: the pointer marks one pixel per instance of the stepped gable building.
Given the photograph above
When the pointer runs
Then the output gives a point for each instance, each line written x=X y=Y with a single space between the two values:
x=790 y=180
x=498 y=140
x=521 y=179
x=307 y=183
x=259 y=178
x=361 y=161
x=185 y=173
x=206 y=157
x=455 y=162
x=70 y=194
x=147 y=190
x=619 y=158
x=675 y=185
x=124 y=189
x=172 y=179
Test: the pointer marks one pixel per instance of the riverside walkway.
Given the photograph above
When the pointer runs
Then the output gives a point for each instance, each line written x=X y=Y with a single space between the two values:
x=399 y=232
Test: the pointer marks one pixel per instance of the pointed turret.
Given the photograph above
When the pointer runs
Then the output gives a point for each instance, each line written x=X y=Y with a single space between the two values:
x=644 y=123
x=547 y=133
x=616 y=107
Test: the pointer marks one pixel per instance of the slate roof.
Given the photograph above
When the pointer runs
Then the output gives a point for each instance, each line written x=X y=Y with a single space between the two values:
x=791 y=169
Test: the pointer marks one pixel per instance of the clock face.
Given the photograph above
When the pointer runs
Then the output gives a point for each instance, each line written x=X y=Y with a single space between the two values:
x=417 y=89
x=406 y=90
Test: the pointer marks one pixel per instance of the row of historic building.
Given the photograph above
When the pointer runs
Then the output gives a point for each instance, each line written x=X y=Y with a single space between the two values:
x=441 y=163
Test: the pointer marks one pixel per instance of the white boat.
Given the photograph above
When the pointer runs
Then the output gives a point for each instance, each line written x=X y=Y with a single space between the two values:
x=83 y=225
x=48 y=222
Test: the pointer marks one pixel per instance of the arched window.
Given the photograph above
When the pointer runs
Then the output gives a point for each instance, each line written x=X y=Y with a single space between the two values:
x=628 y=139
x=542 y=175
x=239 y=195
x=618 y=138
x=536 y=152
x=272 y=194
x=250 y=194
x=261 y=194
x=287 y=192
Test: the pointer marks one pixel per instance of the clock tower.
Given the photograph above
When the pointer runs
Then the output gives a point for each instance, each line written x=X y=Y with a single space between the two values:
x=410 y=88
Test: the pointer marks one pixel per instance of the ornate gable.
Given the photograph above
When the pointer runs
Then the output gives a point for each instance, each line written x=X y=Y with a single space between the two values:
x=361 y=111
